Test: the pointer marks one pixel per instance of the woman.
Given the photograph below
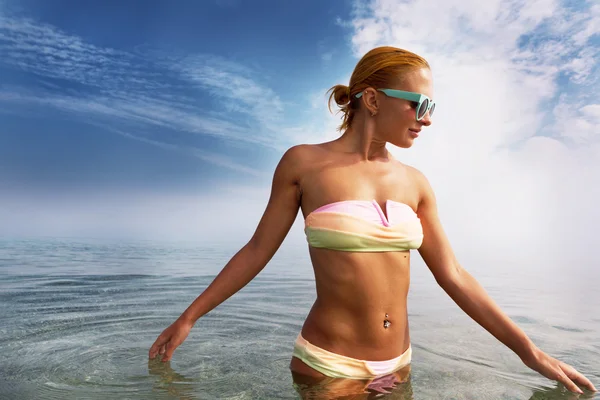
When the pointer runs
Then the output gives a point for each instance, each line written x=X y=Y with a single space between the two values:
x=364 y=211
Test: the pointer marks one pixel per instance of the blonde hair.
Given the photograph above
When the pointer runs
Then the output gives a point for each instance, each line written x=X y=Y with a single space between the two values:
x=378 y=68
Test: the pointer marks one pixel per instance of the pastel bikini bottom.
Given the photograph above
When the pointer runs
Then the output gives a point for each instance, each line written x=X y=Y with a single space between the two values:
x=338 y=366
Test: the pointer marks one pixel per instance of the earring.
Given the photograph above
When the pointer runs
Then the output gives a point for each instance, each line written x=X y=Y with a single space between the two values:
x=373 y=113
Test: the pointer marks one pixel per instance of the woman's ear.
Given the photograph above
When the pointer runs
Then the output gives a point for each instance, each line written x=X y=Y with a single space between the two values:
x=370 y=100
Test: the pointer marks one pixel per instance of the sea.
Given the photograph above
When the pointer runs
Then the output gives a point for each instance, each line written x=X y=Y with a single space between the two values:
x=78 y=316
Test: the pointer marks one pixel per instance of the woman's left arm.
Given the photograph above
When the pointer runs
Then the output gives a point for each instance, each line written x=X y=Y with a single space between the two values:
x=470 y=296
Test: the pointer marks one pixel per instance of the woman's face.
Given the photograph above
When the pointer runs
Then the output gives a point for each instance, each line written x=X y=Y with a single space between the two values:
x=396 y=118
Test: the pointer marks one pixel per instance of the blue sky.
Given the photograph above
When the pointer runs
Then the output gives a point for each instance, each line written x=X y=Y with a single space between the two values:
x=162 y=119
x=157 y=96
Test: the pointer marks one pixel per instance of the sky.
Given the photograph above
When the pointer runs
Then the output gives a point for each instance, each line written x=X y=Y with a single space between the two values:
x=161 y=120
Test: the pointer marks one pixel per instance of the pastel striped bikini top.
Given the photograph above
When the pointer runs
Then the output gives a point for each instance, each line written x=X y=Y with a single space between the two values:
x=361 y=225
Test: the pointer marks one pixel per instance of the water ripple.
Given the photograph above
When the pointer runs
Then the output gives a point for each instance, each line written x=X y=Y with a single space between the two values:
x=78 y=319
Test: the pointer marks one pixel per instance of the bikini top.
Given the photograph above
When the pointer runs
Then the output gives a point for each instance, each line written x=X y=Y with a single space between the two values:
x=361 y=225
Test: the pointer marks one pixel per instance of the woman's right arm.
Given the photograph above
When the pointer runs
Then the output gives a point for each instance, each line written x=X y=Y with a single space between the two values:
x=279 y=215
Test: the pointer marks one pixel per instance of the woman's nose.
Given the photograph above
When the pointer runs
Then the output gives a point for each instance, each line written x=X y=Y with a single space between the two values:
x=426 y=120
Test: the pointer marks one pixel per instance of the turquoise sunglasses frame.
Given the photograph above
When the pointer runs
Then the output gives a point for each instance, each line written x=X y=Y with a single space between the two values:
x=410 y=96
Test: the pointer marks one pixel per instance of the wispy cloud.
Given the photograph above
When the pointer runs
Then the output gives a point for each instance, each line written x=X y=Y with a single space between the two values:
x=223 y=161
x=132 y=109
x=230 y=82
x=140 y=114
x=162 y=91
x=47 y=51
x=326 y=50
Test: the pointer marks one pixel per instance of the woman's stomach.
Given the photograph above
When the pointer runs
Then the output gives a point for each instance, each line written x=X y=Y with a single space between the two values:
x=361 y=309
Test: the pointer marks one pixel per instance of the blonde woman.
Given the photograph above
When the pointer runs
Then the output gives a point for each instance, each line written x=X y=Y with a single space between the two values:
x=364 y=211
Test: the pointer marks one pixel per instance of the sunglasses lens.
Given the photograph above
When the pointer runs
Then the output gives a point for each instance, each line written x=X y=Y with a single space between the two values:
x=431 y=110
x=422 y=109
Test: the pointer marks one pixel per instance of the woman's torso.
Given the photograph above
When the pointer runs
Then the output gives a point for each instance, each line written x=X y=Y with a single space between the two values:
x=356 y=290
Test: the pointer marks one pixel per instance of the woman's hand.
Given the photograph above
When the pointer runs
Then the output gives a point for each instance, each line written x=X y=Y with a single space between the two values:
x=170 y=339
x=559 y=371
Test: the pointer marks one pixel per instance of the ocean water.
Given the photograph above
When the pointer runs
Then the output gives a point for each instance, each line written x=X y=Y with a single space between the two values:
x=77 y=318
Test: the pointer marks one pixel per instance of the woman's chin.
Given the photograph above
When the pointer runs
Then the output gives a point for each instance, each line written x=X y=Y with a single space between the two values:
x=406 y=143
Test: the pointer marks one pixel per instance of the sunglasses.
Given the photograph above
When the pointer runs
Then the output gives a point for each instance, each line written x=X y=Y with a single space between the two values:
x=423 y=103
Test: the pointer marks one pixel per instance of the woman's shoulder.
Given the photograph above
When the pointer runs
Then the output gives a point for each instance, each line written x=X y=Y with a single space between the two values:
x=303 y=156
x=421 y=183
x=300 y=159
x=305 y=150
x=415 y=173
x=408 y=171
x=416 y=177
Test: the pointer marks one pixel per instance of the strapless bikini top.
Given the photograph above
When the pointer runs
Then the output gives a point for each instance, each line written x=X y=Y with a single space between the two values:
x=361 y=225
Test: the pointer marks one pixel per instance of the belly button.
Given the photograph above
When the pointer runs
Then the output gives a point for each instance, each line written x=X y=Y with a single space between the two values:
x=386 y=322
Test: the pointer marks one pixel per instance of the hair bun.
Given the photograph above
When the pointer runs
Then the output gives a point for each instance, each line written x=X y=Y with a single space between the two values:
x=341 y=94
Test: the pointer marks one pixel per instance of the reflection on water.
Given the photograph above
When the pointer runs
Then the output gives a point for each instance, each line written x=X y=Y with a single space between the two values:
x=394 y=386
x=170 y=382
x=560 y=393
x=77 y=320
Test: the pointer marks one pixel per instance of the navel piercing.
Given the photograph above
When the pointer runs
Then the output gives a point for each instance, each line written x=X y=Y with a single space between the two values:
x=386 y=323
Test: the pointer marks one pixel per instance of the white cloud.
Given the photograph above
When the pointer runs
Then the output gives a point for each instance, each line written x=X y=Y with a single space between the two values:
x=577 y=124
x=511 y=173
x=592 y=111
x=590 y=26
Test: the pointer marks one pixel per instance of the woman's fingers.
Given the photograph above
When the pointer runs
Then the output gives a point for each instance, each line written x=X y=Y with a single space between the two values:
x=169 y=349
x=565 y=380
x=559 y=371
x=158 y=343
x=577 y=377
x=170 y=339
